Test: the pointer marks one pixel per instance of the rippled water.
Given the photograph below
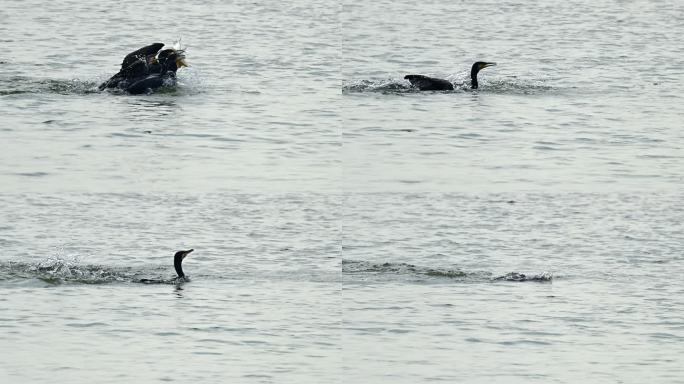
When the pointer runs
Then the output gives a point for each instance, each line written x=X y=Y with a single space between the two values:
x=98 y=190
x=346 y=227
x=565 y=163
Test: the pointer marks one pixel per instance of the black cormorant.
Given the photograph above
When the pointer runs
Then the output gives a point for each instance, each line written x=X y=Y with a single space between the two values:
x=425 y=83
x=178 y=261
x=133 y=65
x=178 y=265
x=161 y=73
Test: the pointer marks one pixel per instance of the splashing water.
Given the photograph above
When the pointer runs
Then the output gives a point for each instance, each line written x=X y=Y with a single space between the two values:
x=178 y=45
x=20 y=85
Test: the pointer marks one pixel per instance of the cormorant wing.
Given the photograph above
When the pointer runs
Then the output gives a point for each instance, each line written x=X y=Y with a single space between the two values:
x=134 y=64
x=425 y=83
x=140 y=54
x=137 y=68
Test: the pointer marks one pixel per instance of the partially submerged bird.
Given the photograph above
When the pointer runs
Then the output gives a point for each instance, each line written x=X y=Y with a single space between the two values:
x=147 y=69
x=134 y=64
x=515 y=276
x=162 y=73
x=178 y=266
x=425 y=83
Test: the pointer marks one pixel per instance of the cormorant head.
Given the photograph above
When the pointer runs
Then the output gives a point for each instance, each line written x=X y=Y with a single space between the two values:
x=178 y=261
x=477 y=66
x=172 y=59
x=163 y=55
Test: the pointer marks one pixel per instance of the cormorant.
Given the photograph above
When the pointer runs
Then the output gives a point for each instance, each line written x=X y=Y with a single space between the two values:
x=177 y=264
x=144 y=70
x=133 y=65
x=425 y=83
x=178 y=261
x=161 y=73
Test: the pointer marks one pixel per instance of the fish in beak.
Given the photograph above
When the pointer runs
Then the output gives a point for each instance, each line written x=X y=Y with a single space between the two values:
x=180 y=59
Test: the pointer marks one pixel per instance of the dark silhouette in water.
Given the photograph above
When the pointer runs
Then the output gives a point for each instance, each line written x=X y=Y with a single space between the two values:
x=178 y=265
x=425 y=83
x=147 y=69
x=515 y=276
x=133 y=65
x=160 y=74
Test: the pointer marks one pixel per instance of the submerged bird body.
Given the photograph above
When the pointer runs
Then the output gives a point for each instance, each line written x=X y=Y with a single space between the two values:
x=178 y=266
x=143 y=71
x=426 y=83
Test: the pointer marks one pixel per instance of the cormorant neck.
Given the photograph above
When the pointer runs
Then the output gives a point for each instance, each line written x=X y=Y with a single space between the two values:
x=177 y=261
x=473 y=77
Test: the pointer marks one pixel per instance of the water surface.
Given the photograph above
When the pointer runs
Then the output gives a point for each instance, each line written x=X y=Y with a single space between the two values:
x=565 y=162
x=98 y=190
x=346 y=228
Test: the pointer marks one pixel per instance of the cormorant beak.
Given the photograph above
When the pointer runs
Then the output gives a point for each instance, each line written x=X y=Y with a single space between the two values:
x=485 y=65
x=187 y=253
x=180 y=58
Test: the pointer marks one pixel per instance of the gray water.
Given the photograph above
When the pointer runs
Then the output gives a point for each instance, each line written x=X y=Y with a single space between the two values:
x=347 y=229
